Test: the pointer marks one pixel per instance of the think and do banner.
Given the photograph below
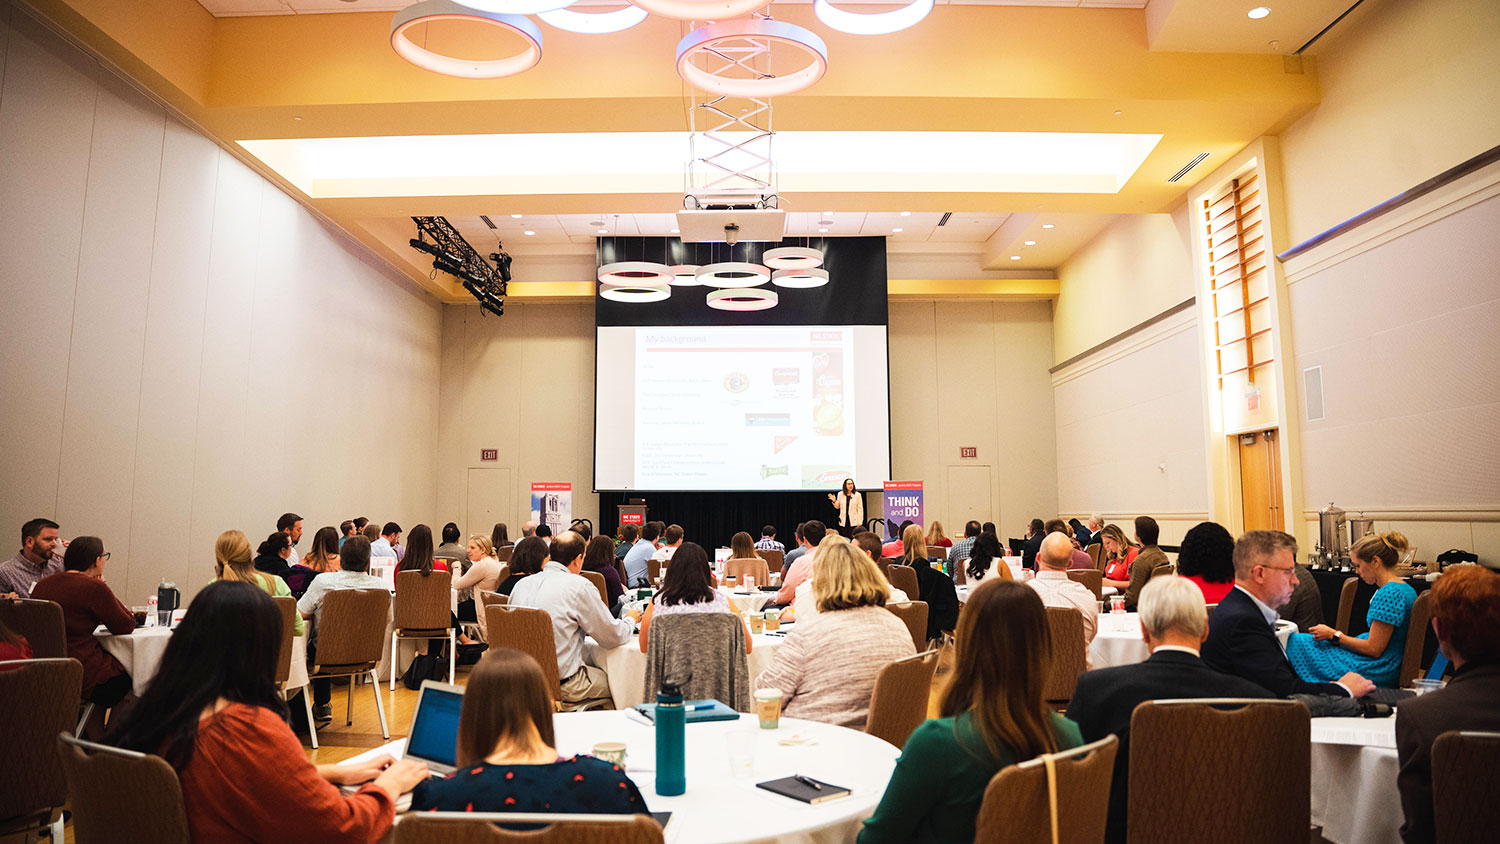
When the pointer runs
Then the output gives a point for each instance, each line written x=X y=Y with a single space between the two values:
x=903 y=503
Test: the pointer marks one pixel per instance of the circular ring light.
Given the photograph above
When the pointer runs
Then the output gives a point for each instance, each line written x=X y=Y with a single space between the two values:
x=436 y=10
x=600 y=24
x=517 y=7
x=800 y=278
x=877 y=23
x=733 y=274
x=636 y=294
x=634 y=274
x=792 y=258
x=701 y=10
x=685 y=275
x=714 y=38
x=742 y=299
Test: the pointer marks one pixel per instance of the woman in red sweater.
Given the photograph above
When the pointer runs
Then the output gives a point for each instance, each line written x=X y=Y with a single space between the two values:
x=213 y=714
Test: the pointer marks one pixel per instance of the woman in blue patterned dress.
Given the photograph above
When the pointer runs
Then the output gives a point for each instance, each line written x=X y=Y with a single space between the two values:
x=1324 y=654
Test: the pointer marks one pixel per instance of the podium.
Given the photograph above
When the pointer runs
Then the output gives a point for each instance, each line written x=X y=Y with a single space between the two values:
x=632 y=514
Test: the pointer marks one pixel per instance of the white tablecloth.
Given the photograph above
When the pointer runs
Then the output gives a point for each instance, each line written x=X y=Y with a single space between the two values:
x=747 y=601
x=1354 y=796
x=1119 y=642
x=719 y=809
x=141 y=651
x=626 y=665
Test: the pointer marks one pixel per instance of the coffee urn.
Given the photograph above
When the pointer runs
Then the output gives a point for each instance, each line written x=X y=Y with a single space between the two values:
x=1333 y=546
x=1359 y=528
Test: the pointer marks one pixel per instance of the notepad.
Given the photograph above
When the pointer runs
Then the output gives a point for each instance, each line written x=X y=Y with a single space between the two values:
x=697 y=711
x=798 y=790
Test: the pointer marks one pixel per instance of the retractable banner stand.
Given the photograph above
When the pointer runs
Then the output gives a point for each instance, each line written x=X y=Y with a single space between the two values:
x=903 y=503
x=552 y=505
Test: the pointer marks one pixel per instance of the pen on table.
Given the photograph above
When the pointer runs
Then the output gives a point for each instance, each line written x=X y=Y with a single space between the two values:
x=697 y=707
x=808 y=781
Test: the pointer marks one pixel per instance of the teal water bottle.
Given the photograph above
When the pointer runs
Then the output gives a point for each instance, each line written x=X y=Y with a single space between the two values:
x=671 y=724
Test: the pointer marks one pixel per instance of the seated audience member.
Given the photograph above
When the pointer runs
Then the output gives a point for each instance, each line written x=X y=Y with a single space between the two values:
x=963 y=548
x=385 y=545
x=687 y=587
x=805 y=606
x=741 y=547
x=40 y=556
x=232 y=562
x=629 y=534
x=637 y=570
x=13 y=646
x=371 y=532
x=599 y=556
x=1058 y=590
x=1174 y=624
x=1082 y=535
x=935 y=536
x=1241 y=631
x=507 y=753
x=346 y=530
x=1147 y=561
x=353 y=573
x=1465 y=616
x=992 y=716
x=813 y=532
x=500 y=536
x=528 y=528
x=767 y=541
x=88 y=602
x=420 y=554
x=1324 y=654
x=671 y=540
x=483 y=575
x=451 y=550
x=576 y=612
x=1035 y=533
x=528 y=559
x=933 y=586
x=544 y=533
x=213 y=713
x=826 y=667
x=322 y=557
x=273 y=556
x=291 y=525
x=897 y=546
x=1117 y=553
x=791 y=556
x=1080 y=558
x=1207 y=559
x=1305 y=607
x=583 y=529
x=986 y=560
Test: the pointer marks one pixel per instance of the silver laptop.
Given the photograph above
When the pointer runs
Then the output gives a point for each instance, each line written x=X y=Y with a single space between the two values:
x=433 y=737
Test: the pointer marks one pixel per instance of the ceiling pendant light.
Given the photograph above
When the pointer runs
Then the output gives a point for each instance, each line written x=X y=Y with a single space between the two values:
x=800 y=278
x=685 y=275
x=428 y=11
x=742 y=299
x=517 y=7
x=876 y=23
x=792 y=258
x=594 y=24
x=634 y=274
x=733 y=37
x=701 y=10
x=733 y=274
x=636 y=295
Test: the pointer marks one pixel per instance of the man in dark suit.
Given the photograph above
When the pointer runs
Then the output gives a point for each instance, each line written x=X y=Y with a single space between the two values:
x=1174 y=624
x=1242 y=631
x=1465 y=616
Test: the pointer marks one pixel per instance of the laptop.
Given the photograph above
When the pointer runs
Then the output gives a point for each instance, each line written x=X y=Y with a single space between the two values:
x=433 y=737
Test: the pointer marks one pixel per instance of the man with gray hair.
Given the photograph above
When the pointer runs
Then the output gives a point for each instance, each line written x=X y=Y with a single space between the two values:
x=1174 y=623
x=1059 y=590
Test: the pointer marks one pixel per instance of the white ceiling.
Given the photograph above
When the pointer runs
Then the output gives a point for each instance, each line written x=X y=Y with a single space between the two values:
x=238 y=8
x=584 y=228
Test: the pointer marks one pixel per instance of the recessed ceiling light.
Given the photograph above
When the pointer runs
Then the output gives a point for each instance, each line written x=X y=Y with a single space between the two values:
x=896 y=230
x=299 y=119
x=674 y=231
x=821 y=231
x=1015 y=257
x=515 y=216
x=827 y=213
x=1046 y=225
x=530 y=232
x=906 y=213
x=1258 y=12
x=604 y=231
x=1028 y=243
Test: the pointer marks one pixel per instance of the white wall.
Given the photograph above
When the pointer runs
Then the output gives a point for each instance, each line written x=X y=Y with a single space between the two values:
x=187 y=350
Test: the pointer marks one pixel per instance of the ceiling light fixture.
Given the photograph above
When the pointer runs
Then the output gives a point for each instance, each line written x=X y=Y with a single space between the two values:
x=428 y=11
x=823 y=231
x=515 y=216
x=897 y=230
x=604 y=231
x=731 y=38
x=733 y=274
x=515 y=7
x=634 y=274
x=701 y=10
x=1047 y=226
x=636 y=295
x=685 y=275
x=593 y=24
x=742 y=299
x=1015 y=257
x=1030 y=243
x=1258 y=12
x=800 y=278
x=530 y=232
x=906 y=213
x=877 y=23
x=792 y=258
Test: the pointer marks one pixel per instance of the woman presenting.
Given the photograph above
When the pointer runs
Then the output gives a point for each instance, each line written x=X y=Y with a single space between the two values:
x=851 y=507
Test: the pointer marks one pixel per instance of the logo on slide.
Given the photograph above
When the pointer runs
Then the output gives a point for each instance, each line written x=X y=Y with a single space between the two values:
x=768 y=420
x=782 y=442
x=782 y=376
x=736 y=382
x=768 y=471
x=825 y=475
x=828 y=335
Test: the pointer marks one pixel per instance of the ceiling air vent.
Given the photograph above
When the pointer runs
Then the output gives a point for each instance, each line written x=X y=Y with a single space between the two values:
x=946 y=216
x=1198 y=159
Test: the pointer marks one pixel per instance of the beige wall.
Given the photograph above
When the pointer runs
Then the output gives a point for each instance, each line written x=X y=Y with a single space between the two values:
x=186 y=349
x=1409 y=90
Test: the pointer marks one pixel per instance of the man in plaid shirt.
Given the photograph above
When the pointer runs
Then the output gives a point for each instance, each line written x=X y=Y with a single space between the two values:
x=964 y=548
x=767 y=541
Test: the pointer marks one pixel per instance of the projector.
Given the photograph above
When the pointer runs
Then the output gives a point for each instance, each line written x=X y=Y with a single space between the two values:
x=731 y=225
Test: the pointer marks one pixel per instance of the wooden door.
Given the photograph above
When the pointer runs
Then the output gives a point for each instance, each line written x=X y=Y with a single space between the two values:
x=1260 y=480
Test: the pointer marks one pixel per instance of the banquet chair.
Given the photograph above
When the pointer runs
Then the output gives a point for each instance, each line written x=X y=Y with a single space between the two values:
x=1346 y=603
x=1096 y=553
x=898 y=704
x=960 y=571
x=914 y=614
x=485 y=598
x=775 y=560
x=620 y=570
x=653 y=570
x=1254 y=755
x=39 y=698
x=503 y=553
x=1162 y=571
x=528 y=630
x=706 y=648
x=1092 y=578
x=150 y=810
x=598 y=580
x=937 y=552
x=351 y=637
x=1069 y=653
x=1017 y=808
x=423 y=609
x=1463 y=797
x=1416 y=640
x=288 y=608
x=905 y=579
x=481 y=828
x=41 y=622
x=755 y=567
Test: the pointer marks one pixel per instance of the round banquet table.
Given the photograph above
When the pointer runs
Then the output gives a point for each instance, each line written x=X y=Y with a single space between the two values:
x=140 y=652
x=626 y=665
x=721 y=809
x=1119 y=642
x=1354 y=795
x=744 y=602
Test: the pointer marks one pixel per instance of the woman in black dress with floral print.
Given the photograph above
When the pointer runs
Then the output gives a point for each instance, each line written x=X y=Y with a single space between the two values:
x=507 y=761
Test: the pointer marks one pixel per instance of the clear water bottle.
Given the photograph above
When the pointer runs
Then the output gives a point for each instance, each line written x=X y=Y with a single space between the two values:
x=151 y=604
x=671 y=727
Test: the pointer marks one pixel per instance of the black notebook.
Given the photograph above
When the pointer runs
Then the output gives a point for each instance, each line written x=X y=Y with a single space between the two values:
x=798 y=790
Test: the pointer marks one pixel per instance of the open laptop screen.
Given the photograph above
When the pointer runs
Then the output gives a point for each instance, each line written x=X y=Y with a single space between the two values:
x=434 y=726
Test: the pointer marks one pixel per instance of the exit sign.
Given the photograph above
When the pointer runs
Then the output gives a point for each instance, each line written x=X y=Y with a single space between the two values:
x=968 y=452
x=489 y=454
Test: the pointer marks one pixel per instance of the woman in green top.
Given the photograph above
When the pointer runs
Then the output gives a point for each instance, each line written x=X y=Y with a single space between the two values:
x=992 y=716
x=232 y=561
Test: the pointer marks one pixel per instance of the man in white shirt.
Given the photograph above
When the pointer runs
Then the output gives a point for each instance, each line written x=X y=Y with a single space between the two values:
x=291 y=525
x=671 y=540
x=1059 y=590
x=385 y=546
x=637 y=573
x=352 y=573
x=576 y=611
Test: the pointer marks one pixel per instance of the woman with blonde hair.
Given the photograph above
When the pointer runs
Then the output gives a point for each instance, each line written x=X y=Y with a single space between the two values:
x=1375 y=655
x=935 y=536
x=233 y=562
x=1118 y=554
x=913 y=547
x=992 y=715
x=826 y=668
x=483 y=575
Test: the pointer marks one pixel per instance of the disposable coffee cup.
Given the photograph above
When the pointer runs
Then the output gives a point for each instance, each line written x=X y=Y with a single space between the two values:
x=757 y=622
x=773 y=619
x=612 y=752
x=768 y=708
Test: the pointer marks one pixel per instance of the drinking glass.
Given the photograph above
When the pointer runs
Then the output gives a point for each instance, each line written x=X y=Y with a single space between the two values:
x=741 y=745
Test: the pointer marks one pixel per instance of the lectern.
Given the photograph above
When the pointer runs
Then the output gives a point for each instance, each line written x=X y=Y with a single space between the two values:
x=633 y=513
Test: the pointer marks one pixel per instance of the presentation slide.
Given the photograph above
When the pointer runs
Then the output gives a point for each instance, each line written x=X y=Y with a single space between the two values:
x=795 y=407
